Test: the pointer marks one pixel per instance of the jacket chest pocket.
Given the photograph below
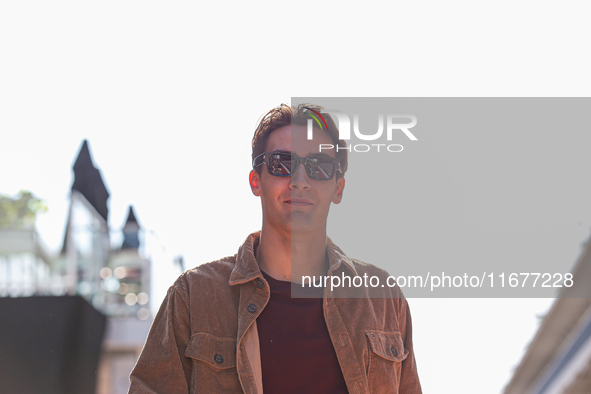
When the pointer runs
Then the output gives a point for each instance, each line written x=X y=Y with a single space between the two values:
x=214 y=364
x=386 y=353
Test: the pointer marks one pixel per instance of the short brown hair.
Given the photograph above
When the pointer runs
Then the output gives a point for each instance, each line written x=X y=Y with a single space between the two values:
x=284 y=115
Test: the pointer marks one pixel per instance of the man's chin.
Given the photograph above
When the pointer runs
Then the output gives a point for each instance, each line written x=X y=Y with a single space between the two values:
x=302 y=224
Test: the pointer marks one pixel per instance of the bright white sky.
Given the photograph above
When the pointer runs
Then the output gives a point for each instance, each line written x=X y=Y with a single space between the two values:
x=169 y=93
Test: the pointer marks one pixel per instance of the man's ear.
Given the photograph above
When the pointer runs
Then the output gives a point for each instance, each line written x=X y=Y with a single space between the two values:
x=339 y=192
x=255 y=182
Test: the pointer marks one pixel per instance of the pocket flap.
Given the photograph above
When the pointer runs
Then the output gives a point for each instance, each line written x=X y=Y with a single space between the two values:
x=387 y=344
x=218 y=352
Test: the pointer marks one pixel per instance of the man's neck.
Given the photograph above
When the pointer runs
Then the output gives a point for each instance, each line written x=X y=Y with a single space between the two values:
x=291 y=256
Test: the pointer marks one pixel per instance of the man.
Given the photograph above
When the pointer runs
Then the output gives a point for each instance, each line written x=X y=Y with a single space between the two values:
x=232 y=325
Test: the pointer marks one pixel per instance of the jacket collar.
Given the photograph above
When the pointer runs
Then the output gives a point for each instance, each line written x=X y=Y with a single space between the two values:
x=247 y=268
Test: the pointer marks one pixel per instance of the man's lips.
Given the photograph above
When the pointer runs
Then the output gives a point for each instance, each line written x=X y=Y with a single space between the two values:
x=298 y=202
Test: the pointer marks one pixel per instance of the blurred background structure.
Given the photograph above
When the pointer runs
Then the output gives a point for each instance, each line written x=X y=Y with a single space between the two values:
x=24 y=262
x=92 y=299
x=558 y=359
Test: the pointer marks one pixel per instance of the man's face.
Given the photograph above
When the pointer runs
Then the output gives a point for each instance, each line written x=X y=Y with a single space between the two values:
x=296 y=203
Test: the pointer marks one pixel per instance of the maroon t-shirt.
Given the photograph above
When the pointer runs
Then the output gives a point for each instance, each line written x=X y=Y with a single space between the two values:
x=297 y=355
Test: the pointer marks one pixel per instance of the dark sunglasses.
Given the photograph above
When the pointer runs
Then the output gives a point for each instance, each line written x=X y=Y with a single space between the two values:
x=285 y=164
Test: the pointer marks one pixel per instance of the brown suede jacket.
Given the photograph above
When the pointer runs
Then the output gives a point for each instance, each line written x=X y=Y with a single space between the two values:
x=204 y=338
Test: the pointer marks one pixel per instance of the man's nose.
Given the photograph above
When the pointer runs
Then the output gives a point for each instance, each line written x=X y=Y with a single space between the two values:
x=299 y=179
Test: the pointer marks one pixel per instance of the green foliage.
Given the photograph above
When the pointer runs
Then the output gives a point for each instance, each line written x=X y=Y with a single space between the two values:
x=20 y=211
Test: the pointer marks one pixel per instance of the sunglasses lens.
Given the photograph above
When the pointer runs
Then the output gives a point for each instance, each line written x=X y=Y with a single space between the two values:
x=320 y=168
x=283 y=164
x=280 y=164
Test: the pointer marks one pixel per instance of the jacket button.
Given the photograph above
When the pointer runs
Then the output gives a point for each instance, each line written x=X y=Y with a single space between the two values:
x=394 y=351
x=252 y=308
x=260 y=284
x=218 y=358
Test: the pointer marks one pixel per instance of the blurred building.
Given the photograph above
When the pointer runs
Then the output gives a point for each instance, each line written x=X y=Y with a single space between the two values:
x=25 y=264
x=558 y=359
x=125 y=282
x=107 y=268
x=115 y=279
